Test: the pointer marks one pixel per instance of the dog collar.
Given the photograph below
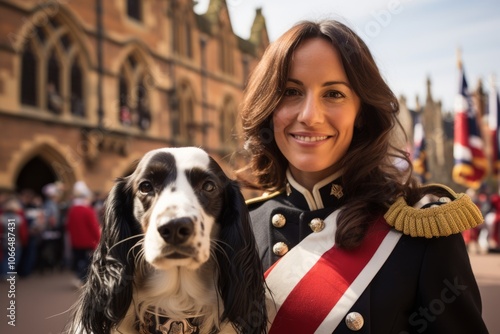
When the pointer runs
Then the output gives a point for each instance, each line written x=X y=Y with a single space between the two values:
x=157 y=324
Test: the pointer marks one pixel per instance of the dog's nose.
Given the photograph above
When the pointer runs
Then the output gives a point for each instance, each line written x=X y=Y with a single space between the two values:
x=177 y=231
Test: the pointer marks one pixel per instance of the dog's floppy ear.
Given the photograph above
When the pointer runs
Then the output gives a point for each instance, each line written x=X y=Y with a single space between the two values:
x=241 y=278
x=108 y=291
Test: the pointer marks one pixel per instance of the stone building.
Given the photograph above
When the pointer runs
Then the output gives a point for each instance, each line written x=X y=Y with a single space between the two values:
x=87 y=87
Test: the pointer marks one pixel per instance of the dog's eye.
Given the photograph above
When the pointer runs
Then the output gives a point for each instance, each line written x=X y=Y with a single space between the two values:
x=146 y=187
x=208 y=186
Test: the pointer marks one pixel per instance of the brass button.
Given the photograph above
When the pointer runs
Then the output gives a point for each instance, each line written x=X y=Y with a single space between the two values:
x=278 y=220
x=354 y=321
x=280 y=248
x=317 y=225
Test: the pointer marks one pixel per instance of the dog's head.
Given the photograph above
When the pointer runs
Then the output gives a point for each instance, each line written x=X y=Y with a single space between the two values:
x=178 y=200
x=177 y=209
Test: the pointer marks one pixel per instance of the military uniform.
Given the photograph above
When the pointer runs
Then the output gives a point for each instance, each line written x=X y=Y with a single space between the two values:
x=425 y=285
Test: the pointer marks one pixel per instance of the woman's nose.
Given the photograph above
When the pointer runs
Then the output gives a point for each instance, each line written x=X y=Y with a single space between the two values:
x=311 y=112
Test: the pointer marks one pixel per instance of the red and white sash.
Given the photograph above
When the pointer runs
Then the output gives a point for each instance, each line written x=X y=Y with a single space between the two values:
x=315 y=284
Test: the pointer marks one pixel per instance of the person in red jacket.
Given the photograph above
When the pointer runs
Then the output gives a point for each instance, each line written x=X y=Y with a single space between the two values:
x=83 y=229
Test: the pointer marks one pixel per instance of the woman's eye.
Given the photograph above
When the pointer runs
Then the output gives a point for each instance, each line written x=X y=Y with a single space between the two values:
x=291 y=92
x=335 y=94
x=146 y=187
x=208 y=186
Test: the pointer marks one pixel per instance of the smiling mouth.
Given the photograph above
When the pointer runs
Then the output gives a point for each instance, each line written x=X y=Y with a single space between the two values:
x=310 y=139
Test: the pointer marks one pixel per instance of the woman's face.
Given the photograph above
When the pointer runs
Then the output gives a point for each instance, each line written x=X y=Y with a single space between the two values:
x=314 y=123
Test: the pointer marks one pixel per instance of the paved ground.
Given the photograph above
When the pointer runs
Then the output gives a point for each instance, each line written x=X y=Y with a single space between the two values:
x=487 y=271
x=42 y=301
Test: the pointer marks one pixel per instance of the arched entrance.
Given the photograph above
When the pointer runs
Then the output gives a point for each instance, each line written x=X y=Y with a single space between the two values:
x=36 y=173
x=40 y=164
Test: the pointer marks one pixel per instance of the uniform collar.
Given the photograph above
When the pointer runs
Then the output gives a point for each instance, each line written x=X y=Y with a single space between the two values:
x=325 y=193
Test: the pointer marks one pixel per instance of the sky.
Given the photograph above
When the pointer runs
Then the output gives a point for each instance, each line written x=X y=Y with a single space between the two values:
x=411 y=40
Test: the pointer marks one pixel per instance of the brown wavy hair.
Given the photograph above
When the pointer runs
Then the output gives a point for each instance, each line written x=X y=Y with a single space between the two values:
x=371 y=179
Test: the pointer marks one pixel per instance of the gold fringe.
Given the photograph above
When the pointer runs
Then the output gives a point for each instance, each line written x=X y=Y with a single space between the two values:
x=450 y=218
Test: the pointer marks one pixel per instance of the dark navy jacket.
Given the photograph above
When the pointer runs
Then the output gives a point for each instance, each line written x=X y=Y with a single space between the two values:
x=425 y=286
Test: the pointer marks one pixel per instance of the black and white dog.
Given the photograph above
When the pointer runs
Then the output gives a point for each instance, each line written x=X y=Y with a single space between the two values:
x=176 y=255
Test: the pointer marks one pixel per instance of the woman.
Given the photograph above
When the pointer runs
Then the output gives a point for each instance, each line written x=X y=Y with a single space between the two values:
x=357 y=248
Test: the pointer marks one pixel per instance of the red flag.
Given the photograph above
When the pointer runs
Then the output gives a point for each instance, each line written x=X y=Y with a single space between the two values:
x=494 y=123
x=468 y=148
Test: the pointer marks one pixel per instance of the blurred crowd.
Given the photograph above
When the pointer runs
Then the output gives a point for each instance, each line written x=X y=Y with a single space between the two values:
x=55 y=230
x=485 y=237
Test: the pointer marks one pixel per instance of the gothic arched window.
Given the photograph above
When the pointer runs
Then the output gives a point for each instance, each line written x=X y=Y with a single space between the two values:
x=227 y=130
x=29 y=77
x=52 y=74
x=134 y=109
x=54 y=96
x=185 y=119
x=76 y=83
x=134 y=9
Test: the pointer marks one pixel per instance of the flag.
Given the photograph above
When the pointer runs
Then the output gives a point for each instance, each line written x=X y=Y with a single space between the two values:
x=494 y=123
x=468 y=147
x=419 y=151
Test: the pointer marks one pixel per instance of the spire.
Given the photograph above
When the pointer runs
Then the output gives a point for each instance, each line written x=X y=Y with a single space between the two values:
x=429 y=92
x=214 y=8
x=259 y=24
x=480 y=89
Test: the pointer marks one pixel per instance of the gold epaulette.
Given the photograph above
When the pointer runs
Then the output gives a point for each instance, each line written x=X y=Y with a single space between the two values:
x=263 y=197
x=449 y=218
